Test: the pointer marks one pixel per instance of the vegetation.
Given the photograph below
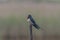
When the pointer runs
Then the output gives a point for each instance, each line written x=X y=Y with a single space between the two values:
x=48 y=18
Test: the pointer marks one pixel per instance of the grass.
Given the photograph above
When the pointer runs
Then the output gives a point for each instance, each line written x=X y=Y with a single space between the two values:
x=43 y=21
x=48 y=18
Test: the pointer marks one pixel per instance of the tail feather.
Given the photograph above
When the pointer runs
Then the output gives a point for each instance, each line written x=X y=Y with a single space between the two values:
x=36 y=26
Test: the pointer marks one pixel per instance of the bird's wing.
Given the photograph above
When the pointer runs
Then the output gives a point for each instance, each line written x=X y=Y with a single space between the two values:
x=32 y=20
x=34 y=23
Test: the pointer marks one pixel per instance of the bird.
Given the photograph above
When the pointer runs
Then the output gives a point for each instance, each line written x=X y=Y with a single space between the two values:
x=32 y=21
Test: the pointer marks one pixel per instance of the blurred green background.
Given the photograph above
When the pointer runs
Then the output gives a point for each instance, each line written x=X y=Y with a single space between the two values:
x=13 y=17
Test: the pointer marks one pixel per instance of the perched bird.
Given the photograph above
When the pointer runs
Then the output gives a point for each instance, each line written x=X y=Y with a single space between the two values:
x=32 y=21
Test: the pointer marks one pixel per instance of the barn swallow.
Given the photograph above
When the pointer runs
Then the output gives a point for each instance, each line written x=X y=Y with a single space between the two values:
x=32 y=21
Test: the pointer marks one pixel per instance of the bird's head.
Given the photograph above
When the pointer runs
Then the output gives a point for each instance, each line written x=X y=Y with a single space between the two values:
x=29 y=16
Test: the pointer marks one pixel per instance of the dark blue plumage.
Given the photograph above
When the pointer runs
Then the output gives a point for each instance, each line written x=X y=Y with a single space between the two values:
x=33 y=22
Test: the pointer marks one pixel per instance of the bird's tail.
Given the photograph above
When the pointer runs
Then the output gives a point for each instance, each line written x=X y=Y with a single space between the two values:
x=36 y=26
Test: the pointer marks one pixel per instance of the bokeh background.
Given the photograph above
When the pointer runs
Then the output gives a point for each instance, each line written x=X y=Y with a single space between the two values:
x=13 y=19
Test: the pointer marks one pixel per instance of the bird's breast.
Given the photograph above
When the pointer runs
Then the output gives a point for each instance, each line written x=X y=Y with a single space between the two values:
x=28 y=20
